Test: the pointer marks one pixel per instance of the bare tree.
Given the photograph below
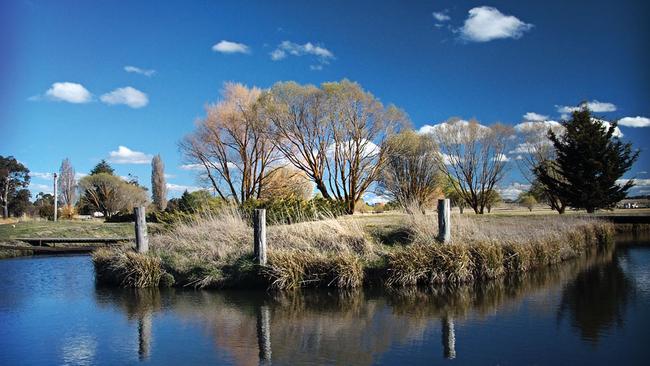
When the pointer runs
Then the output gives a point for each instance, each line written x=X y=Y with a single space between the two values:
x=333 y=134
x=473 y=157
x=67 y=185
x=409 y=175
x=299 y=128
x=535 y=150
x=110 y=194
x=232 y=145
x=158 y=183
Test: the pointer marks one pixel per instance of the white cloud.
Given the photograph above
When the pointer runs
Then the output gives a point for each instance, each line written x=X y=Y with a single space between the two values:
x=535 y=117
x=441 y=16
x=124 y=155
x=594 y=106
x=128 y=96
x=523 y=148
x=637 y=121
x=192 y=167
x=533 y=126
x=316 y=67
x=513 y=190
x=617 y=131
x=137 y=70
x=39 y=175
x=486 y=23
x=78 y=175
x=181 y=188
x=230 y=47
x=287 y=48
x=68 y=92
x=371 y=198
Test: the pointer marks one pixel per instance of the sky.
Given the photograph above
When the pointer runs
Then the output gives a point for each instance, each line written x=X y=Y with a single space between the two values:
x=123 y=81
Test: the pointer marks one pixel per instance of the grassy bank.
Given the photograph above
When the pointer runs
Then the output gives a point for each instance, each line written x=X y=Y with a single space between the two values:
x=348 y=252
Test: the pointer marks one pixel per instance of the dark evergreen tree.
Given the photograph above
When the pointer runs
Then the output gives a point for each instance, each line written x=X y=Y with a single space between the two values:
x=102 y=167
x=13 y=176
x=589 y=161
x=20 y=203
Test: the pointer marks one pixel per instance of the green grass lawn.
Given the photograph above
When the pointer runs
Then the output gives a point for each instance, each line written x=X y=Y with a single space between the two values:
x=65 y=229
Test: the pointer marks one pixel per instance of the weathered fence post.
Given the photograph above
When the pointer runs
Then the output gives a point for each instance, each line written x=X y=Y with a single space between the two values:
x=56 y=198
x=444 y=220
x=141 y=238
x=259 y=236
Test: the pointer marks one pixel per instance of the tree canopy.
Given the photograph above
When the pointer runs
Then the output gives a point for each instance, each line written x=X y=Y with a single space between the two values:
x=13 y=175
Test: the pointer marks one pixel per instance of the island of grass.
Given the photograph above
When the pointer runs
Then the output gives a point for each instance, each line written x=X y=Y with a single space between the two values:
x=216 y=251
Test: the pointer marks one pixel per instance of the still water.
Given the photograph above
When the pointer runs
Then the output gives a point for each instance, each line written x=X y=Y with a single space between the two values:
x=594 y=310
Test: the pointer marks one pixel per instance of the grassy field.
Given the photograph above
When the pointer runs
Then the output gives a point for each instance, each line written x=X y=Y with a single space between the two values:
x=64 y=229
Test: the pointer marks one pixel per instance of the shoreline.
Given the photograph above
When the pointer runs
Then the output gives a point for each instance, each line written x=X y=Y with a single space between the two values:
x=294 y=265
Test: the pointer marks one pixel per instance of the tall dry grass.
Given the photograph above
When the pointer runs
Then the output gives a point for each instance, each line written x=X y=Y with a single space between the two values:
x=490 y=247
x=216 y=251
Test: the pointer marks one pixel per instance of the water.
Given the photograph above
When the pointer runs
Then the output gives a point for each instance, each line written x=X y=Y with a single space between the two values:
x=590 y=311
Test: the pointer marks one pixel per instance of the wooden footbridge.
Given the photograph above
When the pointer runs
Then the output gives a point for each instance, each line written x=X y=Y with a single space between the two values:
x=65 y=245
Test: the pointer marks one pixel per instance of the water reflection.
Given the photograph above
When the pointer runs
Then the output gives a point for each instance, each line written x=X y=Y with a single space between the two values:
x=357 y=327
x=596 y=300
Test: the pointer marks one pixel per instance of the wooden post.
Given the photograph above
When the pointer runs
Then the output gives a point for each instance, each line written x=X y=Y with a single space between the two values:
x=141 y=238
x=259 y=236
x=56 y=199
x=444 y=220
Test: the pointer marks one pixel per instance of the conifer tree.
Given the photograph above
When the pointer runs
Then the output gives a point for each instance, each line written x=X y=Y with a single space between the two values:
x=589 y=161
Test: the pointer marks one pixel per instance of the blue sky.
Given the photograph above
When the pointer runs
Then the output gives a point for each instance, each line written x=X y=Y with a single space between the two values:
x=66 y=90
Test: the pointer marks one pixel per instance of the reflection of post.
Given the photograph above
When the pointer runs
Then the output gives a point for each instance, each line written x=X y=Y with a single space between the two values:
x=144 y=335
x=264 y=334
x=448 y=338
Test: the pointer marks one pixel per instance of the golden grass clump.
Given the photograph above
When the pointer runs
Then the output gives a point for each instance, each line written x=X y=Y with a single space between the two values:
x=126 y=268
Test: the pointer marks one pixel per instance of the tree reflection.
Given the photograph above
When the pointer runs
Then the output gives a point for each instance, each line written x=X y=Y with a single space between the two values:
x=595 y=301
x=358 y=326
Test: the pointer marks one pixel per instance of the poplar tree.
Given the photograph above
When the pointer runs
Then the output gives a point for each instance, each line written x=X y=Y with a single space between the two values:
x=590 y=159
x=158 y=184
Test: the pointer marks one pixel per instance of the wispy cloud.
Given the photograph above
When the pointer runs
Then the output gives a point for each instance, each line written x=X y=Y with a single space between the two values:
x=229 y=47
x=124 y=155
x=637 y=121
x=137 y=70
x=513 y=190
x=129 y=96
x=40 y=175
x=37 y=187
x=594 y=106
x=182 y=188
x=441 y=16
x=486 y=23
x=287 y=48
x=65 y=92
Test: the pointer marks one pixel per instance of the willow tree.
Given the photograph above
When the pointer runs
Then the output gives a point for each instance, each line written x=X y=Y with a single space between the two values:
x=409 y=176
x=333 y=134
x=158 y=183
x=473 y=158
x=232 y=146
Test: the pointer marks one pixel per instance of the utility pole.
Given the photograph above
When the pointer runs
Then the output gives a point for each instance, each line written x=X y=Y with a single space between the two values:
x=56 y=198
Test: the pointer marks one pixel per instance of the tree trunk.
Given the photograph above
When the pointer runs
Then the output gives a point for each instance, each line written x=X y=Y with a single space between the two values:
x=561 y=209
x=461 y=208
x=323 y=189
x=349 y=206
x=5 y=211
